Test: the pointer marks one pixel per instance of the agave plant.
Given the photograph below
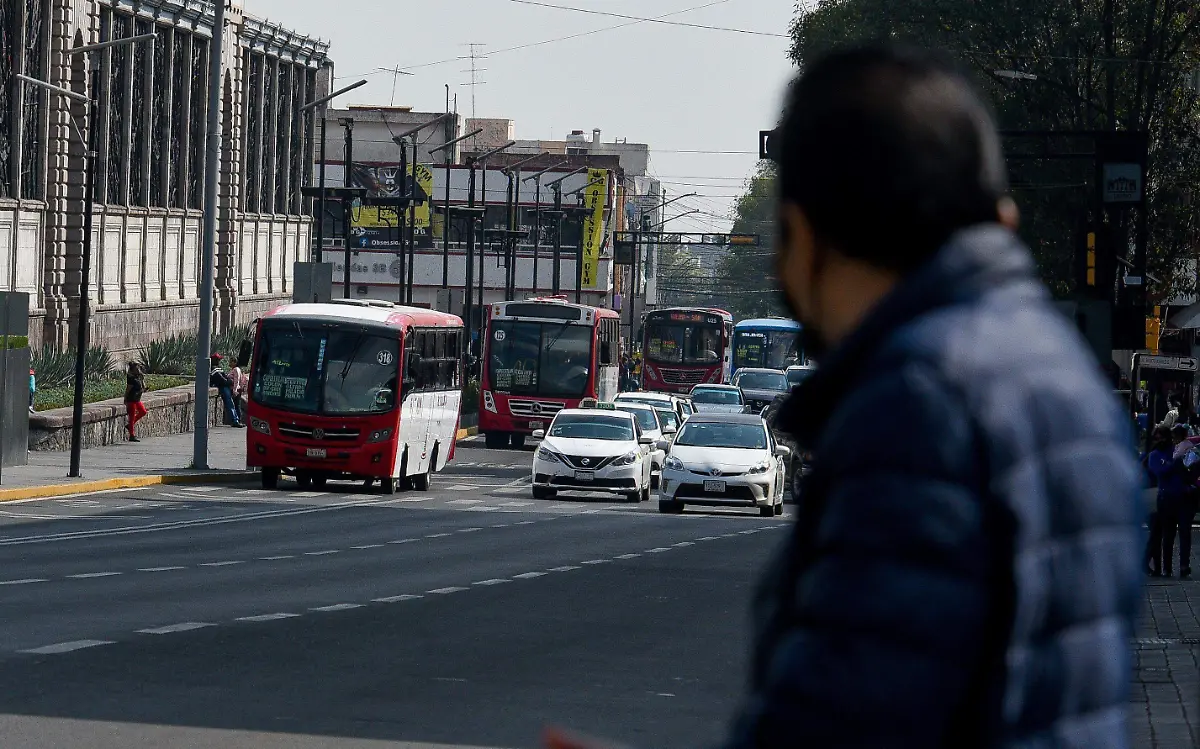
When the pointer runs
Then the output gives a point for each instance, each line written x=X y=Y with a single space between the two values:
x=98 y=364
x=175 y=355
x=54 y=368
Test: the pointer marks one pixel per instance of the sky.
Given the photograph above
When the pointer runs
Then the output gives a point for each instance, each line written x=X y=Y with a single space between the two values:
x=675 y=88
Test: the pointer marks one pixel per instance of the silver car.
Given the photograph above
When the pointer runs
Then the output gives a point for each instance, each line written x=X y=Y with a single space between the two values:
x=718 y=399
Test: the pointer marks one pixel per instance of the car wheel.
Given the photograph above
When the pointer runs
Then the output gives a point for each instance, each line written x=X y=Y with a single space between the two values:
x=270 y=478
x=368 y=483
x=645 y=494
x=495 y=440
x=421 y=482
x=779 y=508
x=767 y=512
x=388 y=484
x=543 y=493
x=517 y=440
x=668 y=507
x=303 y=480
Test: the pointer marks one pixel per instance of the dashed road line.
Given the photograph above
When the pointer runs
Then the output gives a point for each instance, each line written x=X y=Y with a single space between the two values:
x=437 y=535
x=224 y=563
x=597 y=561
x=199 y=489
x=501 y=525
x=402 y=541
x=309 y=495
x=397 y=599
x=708 y=538
x=267 y=617
x=657 y=550
x=493 y=581
x=277 y=557
x=170 y=568
x=25 y=581
x=468 y=530
x=66 y=647
x=90 y=575
x=172 y=628
x=446 y=591
x=684 y=543
x=564 y=568
x=322 y=553
x=529 y=575
x=367 y=546
x=337 y=607
x=465 y=502
x=628 y=556
x=526 y=522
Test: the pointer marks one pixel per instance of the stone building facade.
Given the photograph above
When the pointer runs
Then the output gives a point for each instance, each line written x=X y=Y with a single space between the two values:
x=152 y=122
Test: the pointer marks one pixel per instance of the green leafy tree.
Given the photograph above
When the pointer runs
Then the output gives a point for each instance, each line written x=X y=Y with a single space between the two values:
x=1063 y=65
x=745 y=282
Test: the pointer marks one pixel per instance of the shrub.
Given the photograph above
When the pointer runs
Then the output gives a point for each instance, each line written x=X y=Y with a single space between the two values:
x=470 y=397
x=98 y=364
x=110 y=387
x=228 y=343
x=14 y=342
x=175 y=355
x=54 y=368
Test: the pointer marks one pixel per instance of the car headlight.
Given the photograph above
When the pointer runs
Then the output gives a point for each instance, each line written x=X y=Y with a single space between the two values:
x=673 y=464
x=627 y=459
x=380 y=435
x=260 y=425
x=544 y=454
x=761 y=467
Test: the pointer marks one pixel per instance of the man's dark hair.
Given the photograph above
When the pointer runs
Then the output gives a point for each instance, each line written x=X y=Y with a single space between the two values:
x=888 y=151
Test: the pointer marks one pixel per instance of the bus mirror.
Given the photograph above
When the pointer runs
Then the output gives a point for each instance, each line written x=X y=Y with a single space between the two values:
x=539 y=434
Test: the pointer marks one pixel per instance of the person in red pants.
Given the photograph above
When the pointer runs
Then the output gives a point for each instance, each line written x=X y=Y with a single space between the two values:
x=135 y=387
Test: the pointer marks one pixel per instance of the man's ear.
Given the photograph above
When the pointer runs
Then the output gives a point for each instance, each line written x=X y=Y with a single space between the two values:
x=1007 y=213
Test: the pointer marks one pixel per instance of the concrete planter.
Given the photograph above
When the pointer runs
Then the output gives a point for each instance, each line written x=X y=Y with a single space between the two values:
x=170 y=411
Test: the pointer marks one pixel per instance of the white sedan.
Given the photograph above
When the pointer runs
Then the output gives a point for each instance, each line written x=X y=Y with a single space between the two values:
x=593 y=450
x=724 y=459
x=650 y=422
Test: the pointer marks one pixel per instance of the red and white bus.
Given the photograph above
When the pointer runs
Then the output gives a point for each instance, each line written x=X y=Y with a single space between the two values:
x=357 y=390
x=686 y=346
x=541 y=356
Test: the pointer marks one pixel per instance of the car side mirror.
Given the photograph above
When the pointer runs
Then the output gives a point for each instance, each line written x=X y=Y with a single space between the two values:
x=783 y=451
x=539 y=434
x=663 y=445
x=668 y=429
x=645 y=440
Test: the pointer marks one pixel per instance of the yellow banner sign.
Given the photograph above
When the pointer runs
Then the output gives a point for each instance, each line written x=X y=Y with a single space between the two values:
x=376 y=217
x=595 y=196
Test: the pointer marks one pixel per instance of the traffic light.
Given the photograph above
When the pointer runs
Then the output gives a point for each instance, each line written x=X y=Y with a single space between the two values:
x=743 y=239
x=1153 y=330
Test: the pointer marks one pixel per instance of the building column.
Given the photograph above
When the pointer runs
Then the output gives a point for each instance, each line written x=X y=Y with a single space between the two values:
x=164 y=182
x=229 y=230
x=185 y=138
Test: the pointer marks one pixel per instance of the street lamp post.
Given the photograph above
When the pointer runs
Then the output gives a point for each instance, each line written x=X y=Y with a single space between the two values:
x=537 y=220
x=558 y=210
x=482 y=250
x=317 y=253
x=81 y=340
x=406 y=293
x=513 y=172
x=446 y=208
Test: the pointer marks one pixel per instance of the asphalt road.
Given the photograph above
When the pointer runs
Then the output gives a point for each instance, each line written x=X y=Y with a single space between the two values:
x=471 y=615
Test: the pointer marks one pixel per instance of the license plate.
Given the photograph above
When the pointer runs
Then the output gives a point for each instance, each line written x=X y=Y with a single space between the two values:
x=535 y=425
x=315 y=452
x=714 y=486
x=585 y=475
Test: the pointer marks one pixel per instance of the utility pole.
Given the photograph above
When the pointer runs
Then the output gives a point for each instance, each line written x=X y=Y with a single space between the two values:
x=348 y=124
x=403 y=216
x=318 y=252
x=412 y=224
x=558 y=210
x=537 y=231
x=511 y=240
x=446 y=229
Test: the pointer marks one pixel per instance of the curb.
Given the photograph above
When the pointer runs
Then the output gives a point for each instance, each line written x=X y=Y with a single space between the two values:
x=137 y=482
x=126 y=482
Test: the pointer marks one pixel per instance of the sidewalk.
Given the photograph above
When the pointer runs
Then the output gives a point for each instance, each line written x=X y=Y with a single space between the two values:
x=153 y=460
x=1166 y=683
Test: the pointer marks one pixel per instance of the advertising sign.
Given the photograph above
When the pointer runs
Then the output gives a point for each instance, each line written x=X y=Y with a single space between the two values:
x=595 y=195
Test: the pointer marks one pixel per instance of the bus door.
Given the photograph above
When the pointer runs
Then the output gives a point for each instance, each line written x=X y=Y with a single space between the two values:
x=415 y=414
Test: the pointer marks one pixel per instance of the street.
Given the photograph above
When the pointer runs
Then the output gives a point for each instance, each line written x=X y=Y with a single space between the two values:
x=470 y=615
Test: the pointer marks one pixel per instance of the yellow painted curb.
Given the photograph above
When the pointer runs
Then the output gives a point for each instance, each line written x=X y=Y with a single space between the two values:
x=468 y=432
x=123 y=482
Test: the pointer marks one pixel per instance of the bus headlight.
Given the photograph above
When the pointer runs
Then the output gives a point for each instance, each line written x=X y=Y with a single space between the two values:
x=380 y=435
x=260 y=425
x=489 y=403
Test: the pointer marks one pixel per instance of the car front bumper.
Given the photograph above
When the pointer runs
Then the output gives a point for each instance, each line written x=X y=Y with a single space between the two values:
x=610 y=479
x=746 y=490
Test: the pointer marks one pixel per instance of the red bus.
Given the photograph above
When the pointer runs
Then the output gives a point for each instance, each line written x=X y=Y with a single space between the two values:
x=685 y=346
x=356 y=390
x=541 y=356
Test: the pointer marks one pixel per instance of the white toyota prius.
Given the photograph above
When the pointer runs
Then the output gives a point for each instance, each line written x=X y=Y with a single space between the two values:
x=593 y=450
x=724 y=459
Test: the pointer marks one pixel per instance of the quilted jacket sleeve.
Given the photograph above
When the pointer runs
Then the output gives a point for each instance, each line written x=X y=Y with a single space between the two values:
x=885 y=628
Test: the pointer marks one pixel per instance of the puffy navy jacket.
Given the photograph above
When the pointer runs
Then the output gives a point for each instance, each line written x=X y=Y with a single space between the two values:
x=965 y=568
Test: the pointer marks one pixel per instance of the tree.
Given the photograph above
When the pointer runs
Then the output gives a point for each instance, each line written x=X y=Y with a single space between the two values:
x=745 y=283
x=1099 y=65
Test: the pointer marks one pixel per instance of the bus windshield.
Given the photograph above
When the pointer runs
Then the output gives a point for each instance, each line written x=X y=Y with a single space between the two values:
x=540 y=358
x=683 y=343
x=770 y=349
x=319 y=370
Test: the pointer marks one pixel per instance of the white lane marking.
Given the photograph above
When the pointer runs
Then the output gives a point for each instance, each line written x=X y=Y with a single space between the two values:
x=266 y=617
x=397 y=599
x=171 y=628
x=493 y=581
x=526 y=522
x=658 y=550
x=708 y=538
x=59 y=516
x=463 y=488
x=748 y=532
x=199 y=489
x=516 y=504
x=445 y=591
x=337 y=607
x=564 y=507
x=309 y=495
x=178 y=524
x=66 y=647
x=277 y=557
x=500 y=525
x=437 y=535
x=486 y=508
x=411 y=499
x=402 y=541
x=321 y=553
x=628 y=556
x=529 y=575
x=161 y=569
x=256 y=491
x=468 y=530
x=596 y=561
x=684 y=543
x=564 y=568
x=90 y=575
x=367 y=546
x=225 y=563
x=24 y=581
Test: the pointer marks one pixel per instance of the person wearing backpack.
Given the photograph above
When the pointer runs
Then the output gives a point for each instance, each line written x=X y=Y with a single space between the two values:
x=224 y=384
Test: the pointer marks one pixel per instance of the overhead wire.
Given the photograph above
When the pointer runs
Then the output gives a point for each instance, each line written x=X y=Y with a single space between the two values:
x=641 y=19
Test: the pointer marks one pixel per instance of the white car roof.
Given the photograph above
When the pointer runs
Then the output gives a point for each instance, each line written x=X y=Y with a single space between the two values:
x=612 y=414
x=639 y=395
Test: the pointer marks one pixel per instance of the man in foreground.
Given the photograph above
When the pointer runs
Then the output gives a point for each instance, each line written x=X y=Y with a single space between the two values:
x=969 y=576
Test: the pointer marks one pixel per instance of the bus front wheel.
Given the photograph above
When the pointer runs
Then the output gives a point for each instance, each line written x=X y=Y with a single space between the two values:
x=388 y=484
x=270 y=478
x=517 y=440
x=495 y=440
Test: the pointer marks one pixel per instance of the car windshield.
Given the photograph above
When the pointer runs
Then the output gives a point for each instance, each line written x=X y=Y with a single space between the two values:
x=718 y=397
x=716 y=434
x=321 y=370
x=668 y=417
x=645 y=417
x=762 y=381
x=797 y=376
x=578 y=426
x=536 y=358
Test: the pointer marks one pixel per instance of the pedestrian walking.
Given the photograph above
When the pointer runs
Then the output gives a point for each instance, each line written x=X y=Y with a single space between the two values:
x=220 y=380
x=1159 y=446
x=135 y=388
x=1176 y=490
x=974 y=583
